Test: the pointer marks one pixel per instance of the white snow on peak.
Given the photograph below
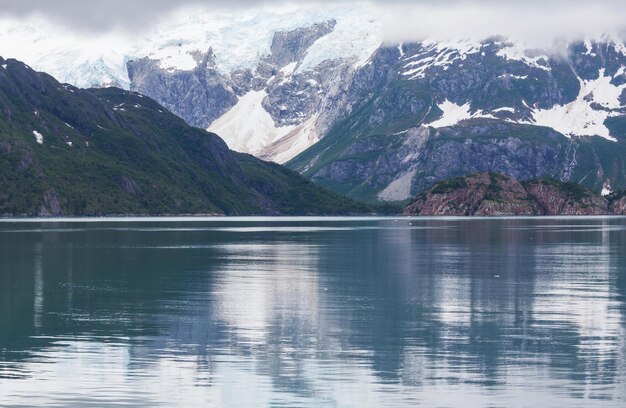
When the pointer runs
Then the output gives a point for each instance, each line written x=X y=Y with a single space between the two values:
x=579 y=118
x=249 y=128
x=238 y=38
x=82 y=60
x=453 y=114
x=438 y=54
x=357 y=35
x=589 y=47
x=505 y=109
x=521 y=52
x=38 y=137
x=401 y=50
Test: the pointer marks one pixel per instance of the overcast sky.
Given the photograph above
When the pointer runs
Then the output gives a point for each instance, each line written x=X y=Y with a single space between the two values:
x=402 y=19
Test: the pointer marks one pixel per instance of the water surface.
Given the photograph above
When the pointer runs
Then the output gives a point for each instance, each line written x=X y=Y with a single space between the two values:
x=313 y=312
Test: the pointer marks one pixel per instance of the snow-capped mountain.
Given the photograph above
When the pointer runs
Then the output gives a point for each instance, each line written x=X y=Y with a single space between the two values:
x=422 y=112
x=368 y=119
x=527 y=86
x=265 y=74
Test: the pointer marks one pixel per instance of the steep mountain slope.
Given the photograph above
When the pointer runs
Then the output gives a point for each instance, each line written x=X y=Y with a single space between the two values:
x=489 y=194
x=273 y=111
x=390 y=120
x=64 y=150
x=270 y=76
x=418 y=113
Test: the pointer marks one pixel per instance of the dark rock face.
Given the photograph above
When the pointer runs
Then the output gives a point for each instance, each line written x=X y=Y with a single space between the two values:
x=199 y=96
x=130 y=186
x=51 y=205
x=429 y=155
x=5 y=147
x=291 y=46
x=489 y=194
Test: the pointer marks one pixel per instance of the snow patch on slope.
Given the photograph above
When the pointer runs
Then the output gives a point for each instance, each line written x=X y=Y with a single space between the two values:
x=38 y=137
x=453 y=114
x=248 y=127
x=504 y=109
x=579 y=118
x=438 y=54
x=520 y=52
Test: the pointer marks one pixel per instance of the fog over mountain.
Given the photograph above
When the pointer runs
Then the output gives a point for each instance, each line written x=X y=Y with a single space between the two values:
x=402 y=20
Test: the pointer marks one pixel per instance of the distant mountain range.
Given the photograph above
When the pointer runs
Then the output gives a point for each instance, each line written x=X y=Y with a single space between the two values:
x=71 y=151
x=378 y=122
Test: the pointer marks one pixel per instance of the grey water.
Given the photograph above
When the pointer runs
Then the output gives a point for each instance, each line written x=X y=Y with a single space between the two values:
x=313 y=312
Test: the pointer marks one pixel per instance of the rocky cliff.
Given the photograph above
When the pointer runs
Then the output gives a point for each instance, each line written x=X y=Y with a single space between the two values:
x=491 y=194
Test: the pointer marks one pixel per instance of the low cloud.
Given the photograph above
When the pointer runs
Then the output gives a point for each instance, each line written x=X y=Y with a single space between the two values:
x=536 y=21
x=542 y=23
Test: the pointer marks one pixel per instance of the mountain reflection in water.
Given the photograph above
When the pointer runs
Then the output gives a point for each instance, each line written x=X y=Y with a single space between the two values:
x=314 y=312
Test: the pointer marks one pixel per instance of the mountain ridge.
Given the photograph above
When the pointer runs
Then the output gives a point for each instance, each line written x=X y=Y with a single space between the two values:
x=69 y=151
x=383 y=122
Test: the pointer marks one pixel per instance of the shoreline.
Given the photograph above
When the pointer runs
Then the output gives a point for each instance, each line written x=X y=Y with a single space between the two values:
x=291 y=218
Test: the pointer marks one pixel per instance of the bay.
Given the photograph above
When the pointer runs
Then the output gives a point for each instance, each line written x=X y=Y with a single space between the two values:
x=347 y=312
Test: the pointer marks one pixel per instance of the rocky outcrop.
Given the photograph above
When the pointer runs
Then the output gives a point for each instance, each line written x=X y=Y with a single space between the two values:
x=291 y=46
x=51 y=205
x=618 y=203
x=490 y=194
x=566 y=198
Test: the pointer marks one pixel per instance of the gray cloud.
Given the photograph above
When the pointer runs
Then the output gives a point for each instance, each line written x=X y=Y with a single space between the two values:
x=539 y=22
x=95 y=15
x=536 y=20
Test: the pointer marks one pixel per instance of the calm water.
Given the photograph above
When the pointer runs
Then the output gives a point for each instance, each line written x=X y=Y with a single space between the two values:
x=314 y=312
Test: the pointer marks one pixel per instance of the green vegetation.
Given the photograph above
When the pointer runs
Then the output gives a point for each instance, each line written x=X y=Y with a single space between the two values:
x=447 y=186
x=574 y=191
x=108 y=151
